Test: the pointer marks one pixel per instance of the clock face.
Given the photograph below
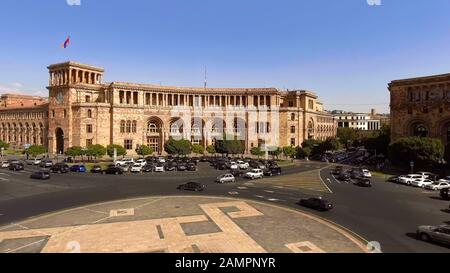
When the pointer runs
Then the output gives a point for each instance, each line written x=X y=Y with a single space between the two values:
x=59 y=97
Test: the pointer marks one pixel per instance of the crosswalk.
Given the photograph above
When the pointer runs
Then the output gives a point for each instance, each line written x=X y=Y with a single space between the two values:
x=309 y=180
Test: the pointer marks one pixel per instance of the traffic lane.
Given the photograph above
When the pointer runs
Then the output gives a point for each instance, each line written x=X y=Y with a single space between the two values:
x=386 y=213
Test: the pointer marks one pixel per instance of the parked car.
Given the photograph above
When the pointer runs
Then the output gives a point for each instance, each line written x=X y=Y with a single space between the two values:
x=136 y=168
x=181 y=167
x=170 y=166
x=192 y=167
x=408 y=179
x=242 y=165
x=161 y=160
x=96 y=169
x=16 y=167
x=394 y=178
x=439 y=234
x=125 y=168
x=141 y=162
x=445 y=193
x=159 y=167
x=363 y=182
x=78 y=169
x=421 y=182
x=316 y=203
x=192 y=186
x=42 y=175
x=60 y=168
x=148 y=168
x=366 y=173
x=254 y=174
x=226 y=178
x=124 y=162
x=46 y=163
x=236 y=173
x=337 y=170
x=437 y=186
x=272 y=171
x=113 y=169
x=5 y=164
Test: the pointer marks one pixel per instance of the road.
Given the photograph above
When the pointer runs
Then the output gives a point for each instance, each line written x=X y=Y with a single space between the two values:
x=387 y=213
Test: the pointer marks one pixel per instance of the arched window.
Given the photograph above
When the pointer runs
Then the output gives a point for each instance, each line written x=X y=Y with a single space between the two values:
x=292 y=116
x=420 y=130
x=89 y=113
x=122 y=126
x=152 y=128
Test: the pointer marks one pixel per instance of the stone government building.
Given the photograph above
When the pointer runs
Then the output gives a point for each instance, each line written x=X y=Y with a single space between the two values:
x=421 y=107
x=82 y=110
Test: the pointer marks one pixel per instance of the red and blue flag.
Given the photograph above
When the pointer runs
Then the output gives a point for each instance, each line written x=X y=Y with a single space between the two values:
x=66 y=43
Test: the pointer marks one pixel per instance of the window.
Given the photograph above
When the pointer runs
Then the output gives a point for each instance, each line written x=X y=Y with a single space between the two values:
x=128 y=144
x=88 y=142
x=88 y=98
x=134 y=126
x=152 y=128
x=53 y=113
x=292 y=129
x=89 y=128
x=153 y=142
x=128 y=126
x=65 y=113
x=311 y=104
x=292 y=116
x=89 y=113
x=292 y=141
x=122 y=126
x=291 y=103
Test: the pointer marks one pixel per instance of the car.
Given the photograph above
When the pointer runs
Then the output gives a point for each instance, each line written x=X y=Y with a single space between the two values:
x=236 y=173
x=363 y=182
x=148 y=168
x=161 y=160
x=445 y=193
x=141 y=162
x=394 y=178
x=16 y=167
x=408 y=179
x=33 y=161
x=125 y=168
x=159 y=167
x=96 y=169
x=78 y=169
x=181 y=167
x=42 y=175
x=124 y=161
x=317 y=203
x=272 y=171
x=426 y=174
x=254 y=174
x=113 y=169
x=343 y=176
x=366 y=173
x=192 y=167
x=257 y=165
x=171 y=166
x=436 y=186
x=192 y=186
x=46 y=163
x=60 y=168
x=5 y=164
x=337 y=170
x=421 y=182
x=439 y=234
x=242 y=165
x=226 y=178
x=136 y=168
x=233 y=165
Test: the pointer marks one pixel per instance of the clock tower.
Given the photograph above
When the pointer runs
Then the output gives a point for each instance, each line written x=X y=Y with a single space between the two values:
x=70 y=85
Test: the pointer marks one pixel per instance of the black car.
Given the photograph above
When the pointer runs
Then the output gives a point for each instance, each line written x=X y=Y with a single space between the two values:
x=60 y=168
x=182 y=167
x=236 y=173
x=337 y=170
x=96 y=169
x=316 y=203
x=272 y=171
x=16 y=167
x=192 y=186
x=191 y=167
x=113 y=170
x=445 y=194
x=393 y=179
x=147 y=168
x=343 y=176
x=363 y=182
x=171 y=166
x=42 y=175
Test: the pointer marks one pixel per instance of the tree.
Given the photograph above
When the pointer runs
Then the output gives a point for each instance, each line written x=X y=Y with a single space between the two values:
x=74 y=151
x=424 y=152
x=234 y=147
x=289 y=151
x=331 y=144
x=347 y=136
x=4 y=145
x=211 y=149
x=314 y=145
x=36 y=150
x=381 y=142
x=276 y=152
x=144 y=150
x=256 y=151
x=121 y=151
x=198 y=149
x=303 y=152
x=178 y=147
x=97 y=151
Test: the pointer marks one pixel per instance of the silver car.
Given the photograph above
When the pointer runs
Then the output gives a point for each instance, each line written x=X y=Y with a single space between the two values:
x=226 y=178
x=439 y=234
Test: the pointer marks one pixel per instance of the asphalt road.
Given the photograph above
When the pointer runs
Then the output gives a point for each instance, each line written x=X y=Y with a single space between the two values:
x=387 y=212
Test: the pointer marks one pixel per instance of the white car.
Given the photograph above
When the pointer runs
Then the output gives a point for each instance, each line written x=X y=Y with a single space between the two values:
x=366 y=173
x=37 y=161
x=242 y=165
x=161 y=160
x=226 y=178
x=5 y=164
x=439 y=185
x=234 y=166
x=125 y=161
x=422 y=182
x=136 y=168
x=159 y=168
x=408 y=179
x=141 y=162
x=254 y=174
x=425 y=174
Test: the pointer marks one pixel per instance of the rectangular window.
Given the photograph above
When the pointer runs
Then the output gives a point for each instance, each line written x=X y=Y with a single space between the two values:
x=153 y=142
x=292 y=129
x=128 y=144
x=311 y=104
x=89 y=128
x=88 y=142
x=88 y=98
x=292 y=141
x=291 y=103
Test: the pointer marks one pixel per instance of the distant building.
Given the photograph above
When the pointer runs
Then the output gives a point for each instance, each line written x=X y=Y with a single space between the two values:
x=357 y=121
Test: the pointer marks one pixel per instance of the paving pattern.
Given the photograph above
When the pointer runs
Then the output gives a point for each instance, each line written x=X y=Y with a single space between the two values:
x=177 y=225
x=309 y=180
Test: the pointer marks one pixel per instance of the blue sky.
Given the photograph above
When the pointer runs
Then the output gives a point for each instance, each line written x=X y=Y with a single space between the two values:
x=346 y=51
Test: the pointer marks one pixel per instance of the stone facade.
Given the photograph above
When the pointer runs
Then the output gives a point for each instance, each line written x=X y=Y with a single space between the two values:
x=82 y=110
x=421 y=107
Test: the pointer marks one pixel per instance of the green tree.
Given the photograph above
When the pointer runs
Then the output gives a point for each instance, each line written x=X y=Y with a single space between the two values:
x=314 y=145
x=425 y=152
x=289 y=151
x=347 y=136
x=275 y=153
x=256 y=151
x=74 y=151
x=380 y=142
x=121 y=151
x=303 y=152
x=144 y=150
x=4 y=145
x=97 y=151
x=234 y=147
x=211 y=149
x=198 y=149
x=331 y=144
x=178 y=147
x=36 y=150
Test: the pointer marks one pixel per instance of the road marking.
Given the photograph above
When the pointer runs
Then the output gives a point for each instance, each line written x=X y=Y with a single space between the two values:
x=242 y=188
x=5 y=174
x=429 y=192
x=233 y=193
x=269 y=191
x=279 y=187
x=4 y=179
x=259 y=196
x=273 y=199
x=329 y=180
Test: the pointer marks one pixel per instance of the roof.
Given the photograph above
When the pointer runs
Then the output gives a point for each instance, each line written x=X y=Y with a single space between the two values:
x=75 y=64
x=424 y=79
